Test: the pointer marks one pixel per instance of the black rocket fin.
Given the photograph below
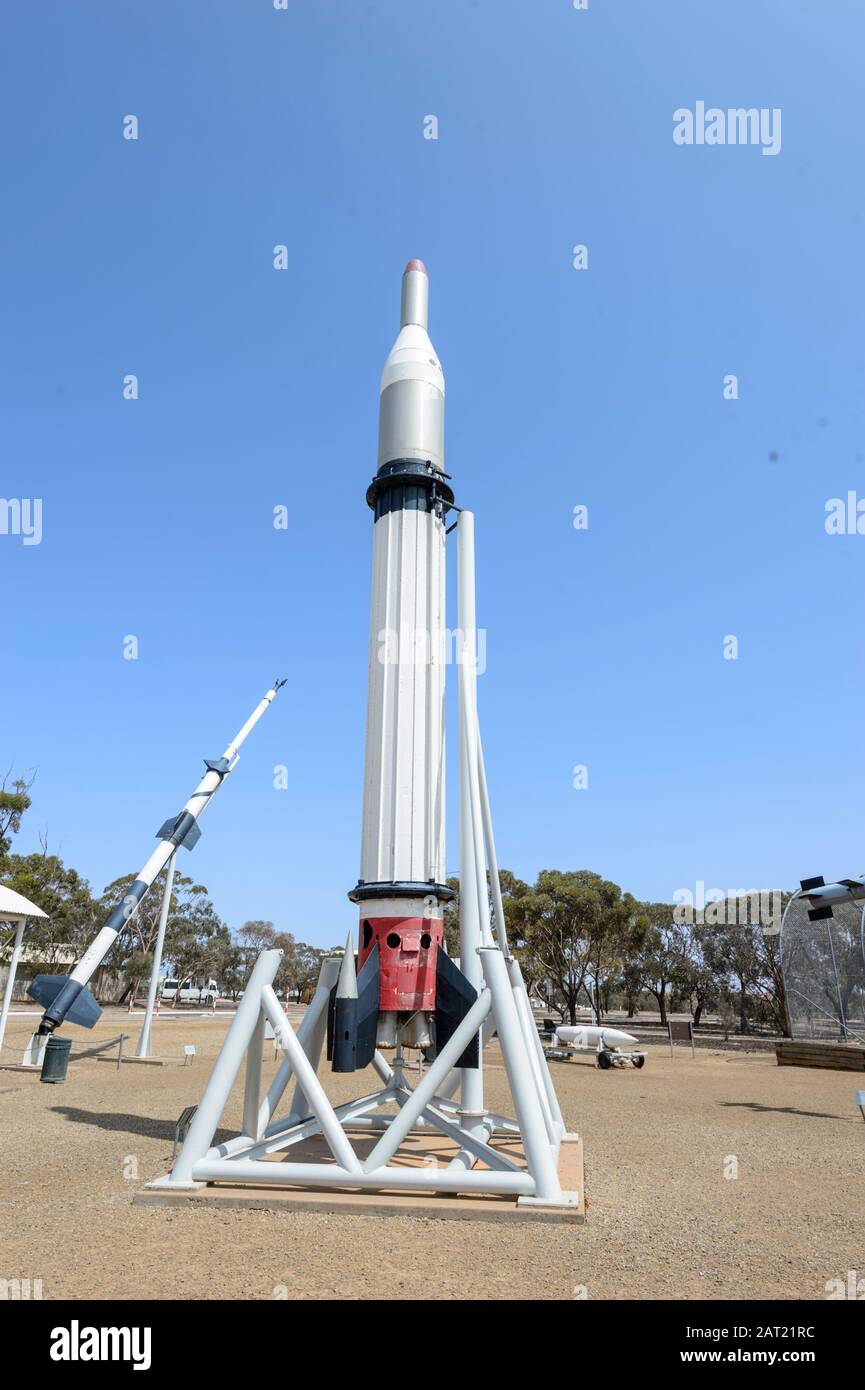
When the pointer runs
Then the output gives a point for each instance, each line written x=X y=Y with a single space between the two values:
x=83 y=1010
x=353 y=1013
x=819 y=914
x=454 y=997
x=182 y=830
x=219 y=765
x=331 y=1023
x=806 y=884
x=343 y=1030
x=368 y=994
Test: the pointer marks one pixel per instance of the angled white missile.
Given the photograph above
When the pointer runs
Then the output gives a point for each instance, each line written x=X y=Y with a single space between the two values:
x=66 y=996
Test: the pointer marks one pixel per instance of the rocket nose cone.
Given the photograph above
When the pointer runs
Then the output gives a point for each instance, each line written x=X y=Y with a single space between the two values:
x=415 y=295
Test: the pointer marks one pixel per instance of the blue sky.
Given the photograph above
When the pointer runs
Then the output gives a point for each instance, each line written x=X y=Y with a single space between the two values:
x=600 y=387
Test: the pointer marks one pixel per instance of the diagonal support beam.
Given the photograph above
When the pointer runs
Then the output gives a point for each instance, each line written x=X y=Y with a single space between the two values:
x=476 y=1147
x=200 y=1136
x=426 y=1088
x=310 y=1035
x=310 y=1085
x=540 y=1154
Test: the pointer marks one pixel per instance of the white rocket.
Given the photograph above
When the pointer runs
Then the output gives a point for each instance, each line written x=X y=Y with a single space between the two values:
x=401 y=891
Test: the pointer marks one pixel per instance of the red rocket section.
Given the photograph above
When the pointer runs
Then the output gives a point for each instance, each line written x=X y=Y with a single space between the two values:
x=407 y=948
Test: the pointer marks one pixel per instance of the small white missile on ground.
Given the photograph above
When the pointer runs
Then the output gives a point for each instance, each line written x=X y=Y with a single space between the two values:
x=612 y=1047
x=592 y=1038
x=66 y=996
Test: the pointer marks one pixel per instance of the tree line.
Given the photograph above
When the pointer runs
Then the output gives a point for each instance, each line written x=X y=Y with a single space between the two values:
x=578 y=934
x=574 y=932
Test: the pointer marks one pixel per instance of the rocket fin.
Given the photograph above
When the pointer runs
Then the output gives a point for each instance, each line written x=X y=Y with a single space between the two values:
x=806 y=884
x=182 y=829
x=368 y=995
x=83 y=1009
x=454 y=997
x=352 y=1018
x=331 y=1021
x=340 y=1039
x=819 y=914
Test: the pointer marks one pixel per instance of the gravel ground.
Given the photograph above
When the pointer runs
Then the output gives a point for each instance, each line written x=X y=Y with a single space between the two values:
x=663 y=1220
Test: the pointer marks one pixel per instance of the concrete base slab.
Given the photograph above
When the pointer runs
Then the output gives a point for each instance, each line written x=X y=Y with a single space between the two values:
x=165 y=1183
x=567 y=1202
x=141 y=1061
x=421 y=1149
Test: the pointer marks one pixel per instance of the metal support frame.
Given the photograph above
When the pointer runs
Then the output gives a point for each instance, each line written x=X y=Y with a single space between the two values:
x=10 y=978
x=502 y=1005
x=143 y=1048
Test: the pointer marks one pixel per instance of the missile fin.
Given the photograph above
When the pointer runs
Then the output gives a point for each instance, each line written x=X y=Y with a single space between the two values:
x=368 y=995
x=454 y=998
x=342 y=1015
x=352 y=1016
x=218 y=765
x=806 y=884
x=79 y=1006
x=182 y=830
x=331 y=1023
x=819 y=914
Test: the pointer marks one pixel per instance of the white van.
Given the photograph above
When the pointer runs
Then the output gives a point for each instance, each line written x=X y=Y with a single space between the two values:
x=185 y=992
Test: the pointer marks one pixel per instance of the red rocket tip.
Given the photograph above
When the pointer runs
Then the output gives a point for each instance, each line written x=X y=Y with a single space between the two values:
x=416 y=265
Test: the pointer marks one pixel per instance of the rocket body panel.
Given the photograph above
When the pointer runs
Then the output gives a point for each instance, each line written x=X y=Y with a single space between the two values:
x=407 y=946
x=403 y=817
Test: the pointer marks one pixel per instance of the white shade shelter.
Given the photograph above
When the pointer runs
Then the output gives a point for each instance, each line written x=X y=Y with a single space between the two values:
x=15 y=911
